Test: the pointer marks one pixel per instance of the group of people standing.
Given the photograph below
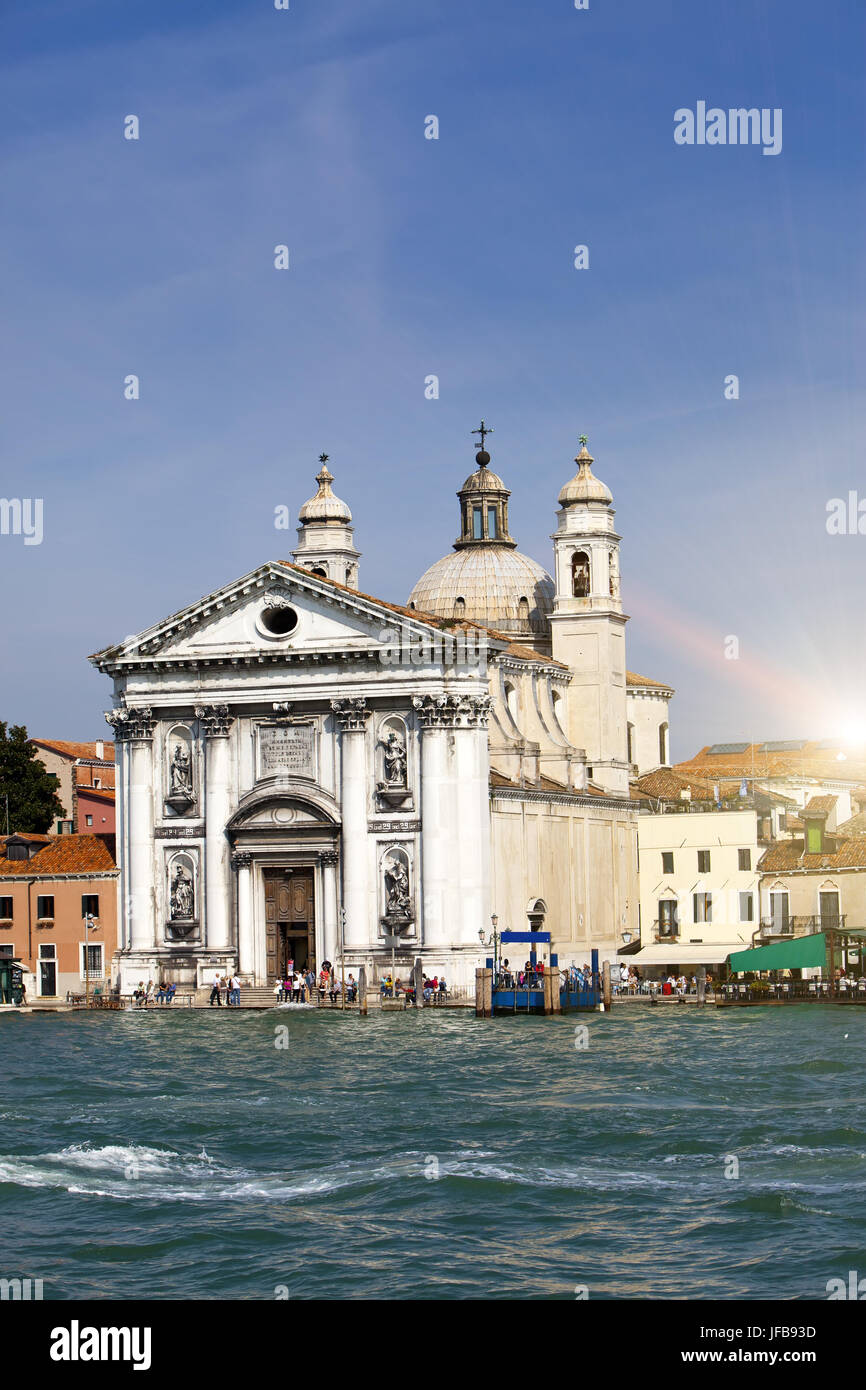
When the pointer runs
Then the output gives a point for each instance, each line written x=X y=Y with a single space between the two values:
x=228 y=985
x=530 y=977
x=299 y=986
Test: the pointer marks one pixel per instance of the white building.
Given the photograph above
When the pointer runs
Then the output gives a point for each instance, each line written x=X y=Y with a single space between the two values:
x=307 y=771
x=699 y=887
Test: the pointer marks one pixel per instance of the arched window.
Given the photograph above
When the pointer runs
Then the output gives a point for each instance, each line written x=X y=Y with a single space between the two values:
x=630 y=740
x=523 y=609
x=459 y=607
x=511 y=701
x=580 y=574
x=663 y=745
x=322 y=573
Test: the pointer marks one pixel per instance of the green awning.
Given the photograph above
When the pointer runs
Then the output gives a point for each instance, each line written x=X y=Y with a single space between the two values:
x=797 y=953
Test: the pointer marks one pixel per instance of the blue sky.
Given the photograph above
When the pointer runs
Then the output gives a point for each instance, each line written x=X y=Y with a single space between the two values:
x=454 y=257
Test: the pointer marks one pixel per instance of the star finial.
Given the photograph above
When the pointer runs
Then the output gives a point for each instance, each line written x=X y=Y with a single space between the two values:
x=323 y=458
x=483 y=431
x=583 y=440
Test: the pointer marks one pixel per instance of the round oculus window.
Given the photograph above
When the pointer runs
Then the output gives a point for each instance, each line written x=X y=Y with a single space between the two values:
x=279 y=622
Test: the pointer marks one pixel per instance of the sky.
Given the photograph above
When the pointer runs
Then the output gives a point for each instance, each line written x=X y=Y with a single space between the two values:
x=454 y=257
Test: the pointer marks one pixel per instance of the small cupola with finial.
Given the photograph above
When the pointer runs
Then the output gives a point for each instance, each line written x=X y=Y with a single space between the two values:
x=326 y=544
x=483 y=503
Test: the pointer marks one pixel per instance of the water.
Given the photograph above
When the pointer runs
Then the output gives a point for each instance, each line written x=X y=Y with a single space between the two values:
x=182 y=1155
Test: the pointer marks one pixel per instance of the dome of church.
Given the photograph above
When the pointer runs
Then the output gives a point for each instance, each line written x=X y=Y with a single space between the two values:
x=325 y=506
x=492 y=584
x=585 y=486
x=487 y=580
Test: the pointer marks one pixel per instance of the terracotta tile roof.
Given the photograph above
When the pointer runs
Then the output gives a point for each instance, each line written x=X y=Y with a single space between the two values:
x=788 y=855
x=819 y=806
x=65 y=854
x=25 y=835
x=101 y=793
x=75 y=750
x=528 y=654
x=666 y=785
x=855 y=826
x=632 y=678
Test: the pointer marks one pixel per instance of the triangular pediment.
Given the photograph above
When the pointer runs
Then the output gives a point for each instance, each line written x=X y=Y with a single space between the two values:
x=278 y=608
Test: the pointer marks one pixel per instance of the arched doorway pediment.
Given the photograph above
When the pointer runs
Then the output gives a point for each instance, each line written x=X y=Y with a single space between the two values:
x=275 y=808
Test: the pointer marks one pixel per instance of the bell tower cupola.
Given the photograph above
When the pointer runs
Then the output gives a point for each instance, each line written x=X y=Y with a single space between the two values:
x=325 y=536
x=588 y=623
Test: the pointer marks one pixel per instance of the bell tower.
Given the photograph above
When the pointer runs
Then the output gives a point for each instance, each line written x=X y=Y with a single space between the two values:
x=325 y=536
x=588 y=624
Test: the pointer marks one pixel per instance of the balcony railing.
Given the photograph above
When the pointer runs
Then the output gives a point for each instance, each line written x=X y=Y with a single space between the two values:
x=773 y=927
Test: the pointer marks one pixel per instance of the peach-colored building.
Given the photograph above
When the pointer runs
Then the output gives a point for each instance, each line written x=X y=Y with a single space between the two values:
x=77 y=765
x=95 y=810
x=48 y=885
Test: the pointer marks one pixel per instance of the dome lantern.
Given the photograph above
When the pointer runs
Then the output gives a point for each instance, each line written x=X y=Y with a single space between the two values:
x=483 y=503
x=486 y=579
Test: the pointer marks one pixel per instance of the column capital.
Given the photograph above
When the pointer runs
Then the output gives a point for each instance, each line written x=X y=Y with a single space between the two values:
x=214 y=719
x=131 y=724
x=452 y=711
x=351 y=715
x=241 y=859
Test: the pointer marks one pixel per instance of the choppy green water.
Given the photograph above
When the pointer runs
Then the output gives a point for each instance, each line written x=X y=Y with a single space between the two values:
x=183 y=1155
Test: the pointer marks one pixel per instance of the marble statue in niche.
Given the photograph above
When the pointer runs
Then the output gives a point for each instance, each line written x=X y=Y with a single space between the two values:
x=392 y=787
x=181 y=797
x=182 y=900
x=180 y=771
x=398 y=898
x=395 y=759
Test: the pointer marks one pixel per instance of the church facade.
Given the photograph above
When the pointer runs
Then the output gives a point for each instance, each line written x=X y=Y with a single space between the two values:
x=307 y=772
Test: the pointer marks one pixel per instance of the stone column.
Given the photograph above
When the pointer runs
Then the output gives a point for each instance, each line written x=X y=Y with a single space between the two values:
x=216 y=723
x=455 y=817
x=135 y=728
x=242 y=864
x=473 y=820
x=329 y=859
x=433 y=716
x=351 y=716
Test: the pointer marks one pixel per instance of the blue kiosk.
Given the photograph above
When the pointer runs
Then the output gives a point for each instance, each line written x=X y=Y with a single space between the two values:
x=544 y=991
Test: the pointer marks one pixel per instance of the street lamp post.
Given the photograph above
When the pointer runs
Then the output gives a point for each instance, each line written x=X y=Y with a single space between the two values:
x=342 y=958
x=494 y=941
x=90 y=924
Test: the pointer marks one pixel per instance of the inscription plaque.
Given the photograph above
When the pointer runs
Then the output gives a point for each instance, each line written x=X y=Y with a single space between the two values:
x=287 y=750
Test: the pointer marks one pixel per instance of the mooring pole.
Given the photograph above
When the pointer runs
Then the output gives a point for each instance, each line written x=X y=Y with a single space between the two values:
x=484 y=993
x=606 y=990
x=362 y=991
x=702 y=984
x=419 y=983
